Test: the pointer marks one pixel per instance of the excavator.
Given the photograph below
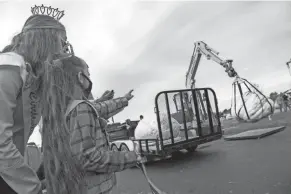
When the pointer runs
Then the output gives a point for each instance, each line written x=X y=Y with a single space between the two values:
x=241 y=111
x=191 y=117
x=200 y=49
x=194 y=111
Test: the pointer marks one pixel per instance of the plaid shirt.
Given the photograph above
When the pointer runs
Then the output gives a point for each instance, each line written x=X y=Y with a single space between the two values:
x=89 y=144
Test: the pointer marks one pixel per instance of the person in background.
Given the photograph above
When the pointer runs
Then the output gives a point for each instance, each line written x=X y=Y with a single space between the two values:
x=77 y=155
x=22 y=64
x=285 y=103
x=280 y=101
x=130 y=126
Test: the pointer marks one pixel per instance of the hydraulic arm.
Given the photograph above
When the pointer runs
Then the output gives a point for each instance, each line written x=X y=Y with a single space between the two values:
x=201 y=48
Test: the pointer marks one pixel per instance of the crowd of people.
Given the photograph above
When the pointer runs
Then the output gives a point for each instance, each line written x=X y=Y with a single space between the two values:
x=283 y=102
x=41 y=79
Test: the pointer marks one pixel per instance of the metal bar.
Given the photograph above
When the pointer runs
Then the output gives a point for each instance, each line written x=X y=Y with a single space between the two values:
x=186 y=98
x=209 y=113
x=158 y=119
x=157 y=144
x=140 y=147
x=183 y=114
x=234 y=90
x=272 y=109
x=243 y=101
x=177 y=91
x=169 y=117
x=207 y=138
x=247 y=87
x=147 y=145
x=203 y=107
x=175 y=102
x=217 y=110
x=196 y=106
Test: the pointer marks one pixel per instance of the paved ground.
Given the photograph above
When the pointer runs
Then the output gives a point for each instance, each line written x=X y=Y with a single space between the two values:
x=238 y=167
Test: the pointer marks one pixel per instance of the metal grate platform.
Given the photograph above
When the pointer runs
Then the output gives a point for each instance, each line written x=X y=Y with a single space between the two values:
x=254 y=134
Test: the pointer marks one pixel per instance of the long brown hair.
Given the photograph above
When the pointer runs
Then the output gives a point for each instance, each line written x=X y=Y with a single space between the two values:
x=63 y=173
x=41 y=38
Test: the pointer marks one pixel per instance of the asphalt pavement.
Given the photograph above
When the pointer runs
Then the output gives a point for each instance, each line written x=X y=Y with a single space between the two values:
x=239 y=167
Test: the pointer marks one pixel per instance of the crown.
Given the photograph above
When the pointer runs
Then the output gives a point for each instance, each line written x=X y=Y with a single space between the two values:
x=49 y=11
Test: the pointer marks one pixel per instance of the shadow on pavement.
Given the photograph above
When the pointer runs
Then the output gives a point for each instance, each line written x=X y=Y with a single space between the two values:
x=183 y=158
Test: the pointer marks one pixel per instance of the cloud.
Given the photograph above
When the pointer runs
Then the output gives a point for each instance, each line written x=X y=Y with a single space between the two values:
x=148 y=45
x=248 y=33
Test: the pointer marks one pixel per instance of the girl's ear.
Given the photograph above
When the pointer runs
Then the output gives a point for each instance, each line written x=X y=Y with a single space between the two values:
x=80 y=78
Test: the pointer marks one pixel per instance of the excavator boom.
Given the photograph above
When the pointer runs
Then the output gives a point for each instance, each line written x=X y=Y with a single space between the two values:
x=201 y=48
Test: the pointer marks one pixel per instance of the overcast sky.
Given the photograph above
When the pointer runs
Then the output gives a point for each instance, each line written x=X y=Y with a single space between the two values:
x=147 y=45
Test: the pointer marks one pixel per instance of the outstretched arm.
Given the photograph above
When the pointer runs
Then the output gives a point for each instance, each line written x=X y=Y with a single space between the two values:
x=89 y=144
x=109 y=108
x=107 y=95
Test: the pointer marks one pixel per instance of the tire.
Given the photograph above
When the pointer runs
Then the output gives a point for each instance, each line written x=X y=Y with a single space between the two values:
x=124 y=148
x=192 y=149
x=114 y=148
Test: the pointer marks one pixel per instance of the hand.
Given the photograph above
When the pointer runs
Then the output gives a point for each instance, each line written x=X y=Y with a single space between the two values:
x=141 y=159
x=107 y=95
x=129 y=95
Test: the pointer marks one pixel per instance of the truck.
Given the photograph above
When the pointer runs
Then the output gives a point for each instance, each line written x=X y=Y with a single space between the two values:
x=194 y=109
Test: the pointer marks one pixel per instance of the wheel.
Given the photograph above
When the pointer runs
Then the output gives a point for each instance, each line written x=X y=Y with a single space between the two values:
x=192 y=149
x=124 y=148
x=114 y=148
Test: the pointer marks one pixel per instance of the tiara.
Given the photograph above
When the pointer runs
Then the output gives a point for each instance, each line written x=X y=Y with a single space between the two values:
x=49 y=11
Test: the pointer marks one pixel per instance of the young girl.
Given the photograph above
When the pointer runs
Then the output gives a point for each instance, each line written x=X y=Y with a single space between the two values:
x=77 y=157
